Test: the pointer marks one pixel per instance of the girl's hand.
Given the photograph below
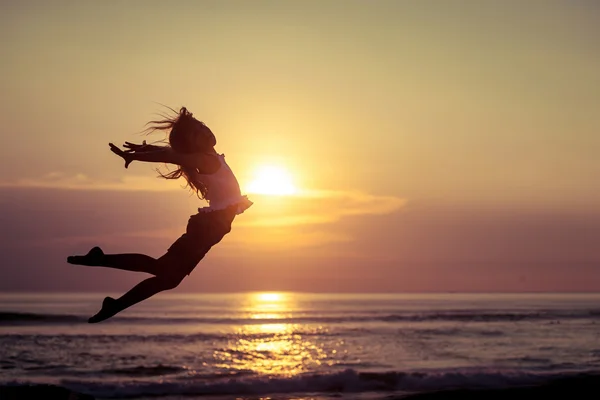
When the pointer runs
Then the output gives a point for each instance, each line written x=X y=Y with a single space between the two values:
x=132 y=147
x=128 y=157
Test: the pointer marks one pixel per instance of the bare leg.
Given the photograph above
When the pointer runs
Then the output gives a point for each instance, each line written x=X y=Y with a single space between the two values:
x=127 y=262
x=141 y=291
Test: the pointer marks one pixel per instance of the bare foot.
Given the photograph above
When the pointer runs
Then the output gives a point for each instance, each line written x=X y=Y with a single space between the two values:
x=92 y=258
x=110 y=307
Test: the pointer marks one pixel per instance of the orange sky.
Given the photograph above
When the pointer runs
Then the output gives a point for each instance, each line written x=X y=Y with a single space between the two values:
x=434 y=146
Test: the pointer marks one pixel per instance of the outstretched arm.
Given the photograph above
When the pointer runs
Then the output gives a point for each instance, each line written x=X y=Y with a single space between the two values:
x=163 y=155
x=203 y=163
x=134 y=148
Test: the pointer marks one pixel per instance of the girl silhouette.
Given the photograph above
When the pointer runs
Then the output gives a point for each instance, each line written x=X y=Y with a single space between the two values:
x=191 y=148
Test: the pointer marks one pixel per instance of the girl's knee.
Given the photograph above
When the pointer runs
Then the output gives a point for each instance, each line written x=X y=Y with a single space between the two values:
x=171 y=281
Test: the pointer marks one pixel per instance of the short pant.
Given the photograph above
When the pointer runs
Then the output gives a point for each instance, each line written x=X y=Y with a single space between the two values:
x=203 y=231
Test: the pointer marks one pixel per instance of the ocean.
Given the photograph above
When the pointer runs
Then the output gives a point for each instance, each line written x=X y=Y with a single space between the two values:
x=299 y=345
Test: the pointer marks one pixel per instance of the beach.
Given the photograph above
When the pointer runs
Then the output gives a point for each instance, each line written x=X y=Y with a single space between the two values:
x=304 y=346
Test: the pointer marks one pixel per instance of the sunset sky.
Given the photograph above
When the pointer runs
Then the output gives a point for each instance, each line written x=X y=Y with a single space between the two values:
x=432 y=145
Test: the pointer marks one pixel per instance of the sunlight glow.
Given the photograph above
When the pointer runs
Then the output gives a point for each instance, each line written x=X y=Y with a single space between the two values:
x=271 y=180
x=266 y=297
x=276 y=348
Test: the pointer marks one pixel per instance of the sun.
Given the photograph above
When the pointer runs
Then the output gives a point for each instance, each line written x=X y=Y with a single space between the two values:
x=272 y=180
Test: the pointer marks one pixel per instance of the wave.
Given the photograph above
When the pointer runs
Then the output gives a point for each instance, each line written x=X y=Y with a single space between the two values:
x=441 y=387
x=454 y=331
x=348 y=381
x=9 y=318
x=161 y=338
x=40 y=391
x=141 y=370
x=578 y=387
x=118 y=338
x=15 y=318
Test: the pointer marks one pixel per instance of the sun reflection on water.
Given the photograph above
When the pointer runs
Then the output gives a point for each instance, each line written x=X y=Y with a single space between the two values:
x=276 y=348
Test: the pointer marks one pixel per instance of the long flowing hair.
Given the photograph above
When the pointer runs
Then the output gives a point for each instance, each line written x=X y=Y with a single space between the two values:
x=182 y=127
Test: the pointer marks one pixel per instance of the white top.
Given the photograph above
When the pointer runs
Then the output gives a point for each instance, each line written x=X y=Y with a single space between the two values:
x=223 y=189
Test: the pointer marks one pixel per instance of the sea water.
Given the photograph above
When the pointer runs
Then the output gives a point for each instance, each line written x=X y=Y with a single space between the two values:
x=297 y=345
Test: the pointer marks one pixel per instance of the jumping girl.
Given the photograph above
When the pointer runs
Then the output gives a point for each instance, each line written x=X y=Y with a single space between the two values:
x=191 y=148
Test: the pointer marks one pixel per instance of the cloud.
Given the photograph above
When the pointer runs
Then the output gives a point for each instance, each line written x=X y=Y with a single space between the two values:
x=308 y=219
x=308 y=207
x=278 y=240
x=79 y=181
x=427 y=246
x=318 y=207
